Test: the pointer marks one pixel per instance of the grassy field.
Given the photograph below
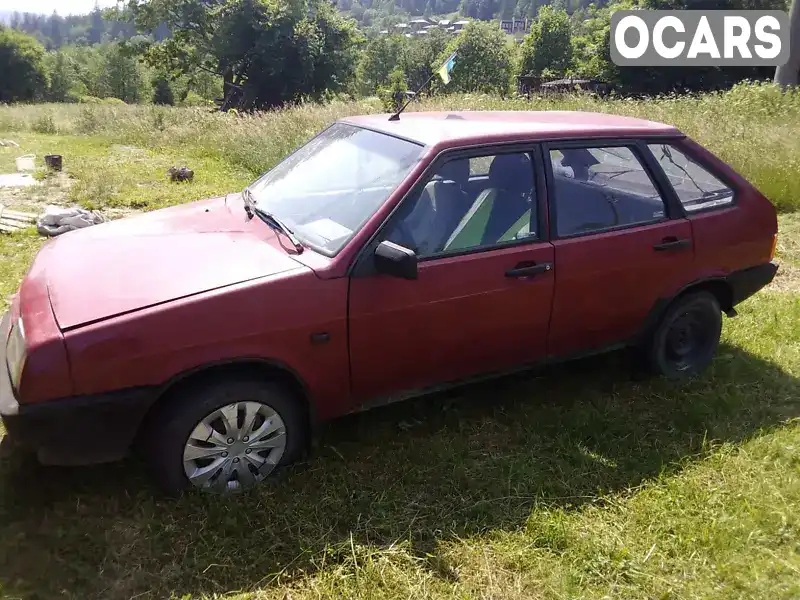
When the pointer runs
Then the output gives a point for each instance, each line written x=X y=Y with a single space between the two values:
x=576 y=482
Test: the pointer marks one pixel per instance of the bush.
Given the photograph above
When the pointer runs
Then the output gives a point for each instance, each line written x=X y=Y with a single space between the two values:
x=88 y=120
x=162 y=92
x=393 y=96
x=195 y=99
x=44 y=124
x=22 y=72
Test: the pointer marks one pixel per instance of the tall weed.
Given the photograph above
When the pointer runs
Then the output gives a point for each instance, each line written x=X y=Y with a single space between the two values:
x=753 y=126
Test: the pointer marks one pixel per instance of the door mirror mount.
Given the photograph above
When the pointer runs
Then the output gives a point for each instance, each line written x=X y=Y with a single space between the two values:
x=395 y=260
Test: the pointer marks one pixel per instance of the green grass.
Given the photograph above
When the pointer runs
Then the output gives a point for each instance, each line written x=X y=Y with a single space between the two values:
x=575 y=482
x=16 y=254
x=572 y=483
x=107 y=174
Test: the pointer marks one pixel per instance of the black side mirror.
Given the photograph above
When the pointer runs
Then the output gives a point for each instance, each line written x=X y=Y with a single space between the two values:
x=394 y=260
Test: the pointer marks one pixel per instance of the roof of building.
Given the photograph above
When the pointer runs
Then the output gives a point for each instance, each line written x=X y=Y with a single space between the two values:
x=561 y=82
x=463 y=128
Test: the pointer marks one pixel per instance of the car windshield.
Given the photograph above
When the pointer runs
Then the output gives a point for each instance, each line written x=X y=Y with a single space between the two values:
x=329 y=188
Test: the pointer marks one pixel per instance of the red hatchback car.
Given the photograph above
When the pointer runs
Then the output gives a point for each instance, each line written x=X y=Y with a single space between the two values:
x=381 y=260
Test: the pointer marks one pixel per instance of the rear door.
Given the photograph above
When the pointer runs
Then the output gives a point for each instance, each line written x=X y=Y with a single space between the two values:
x=620 y=243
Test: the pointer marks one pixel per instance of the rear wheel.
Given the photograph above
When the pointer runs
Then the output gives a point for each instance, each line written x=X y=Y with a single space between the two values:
x=686 y=339
x=224 y=437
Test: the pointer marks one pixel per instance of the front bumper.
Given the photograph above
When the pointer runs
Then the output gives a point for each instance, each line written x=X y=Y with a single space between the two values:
x=72 y=431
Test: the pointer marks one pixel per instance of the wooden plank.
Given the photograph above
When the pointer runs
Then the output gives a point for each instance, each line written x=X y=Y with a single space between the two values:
x=13 y=224
x=9 y=216
x=19 y=213
x=16 y=215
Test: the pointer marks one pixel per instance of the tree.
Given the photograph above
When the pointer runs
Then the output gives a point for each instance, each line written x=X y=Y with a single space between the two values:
x=483 y=62
x=393 y=95
x=162 y=92
x=97 y=27
x=22 y=67
x=548 y=45
x=62 y=77
x=378 y=59
x=268 y=52
x=789 y=74
x=56 y=30
x=591 y=45
x=420 y=56
x=506 y=10
x=121 y=77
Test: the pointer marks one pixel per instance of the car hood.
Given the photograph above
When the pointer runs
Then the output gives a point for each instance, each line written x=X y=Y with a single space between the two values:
x=138 y=262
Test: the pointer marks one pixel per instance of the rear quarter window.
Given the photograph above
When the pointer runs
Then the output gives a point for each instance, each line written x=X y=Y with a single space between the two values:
x=696 y=187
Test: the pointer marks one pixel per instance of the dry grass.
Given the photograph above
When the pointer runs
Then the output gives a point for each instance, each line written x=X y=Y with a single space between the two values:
x=747 y=126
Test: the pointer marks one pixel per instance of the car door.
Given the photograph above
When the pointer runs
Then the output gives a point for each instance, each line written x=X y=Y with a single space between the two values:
x=481 y=300
x=620 y=242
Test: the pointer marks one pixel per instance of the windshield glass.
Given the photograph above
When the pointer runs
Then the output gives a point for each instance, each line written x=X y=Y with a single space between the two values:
x=327 y=190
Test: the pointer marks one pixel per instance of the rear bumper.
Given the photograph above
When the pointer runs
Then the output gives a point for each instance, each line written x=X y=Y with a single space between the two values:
x=72 y=431
x=747 y=282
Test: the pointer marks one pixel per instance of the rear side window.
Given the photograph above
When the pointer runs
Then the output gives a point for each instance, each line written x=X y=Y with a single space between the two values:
x=601 y=188
x=695 y=186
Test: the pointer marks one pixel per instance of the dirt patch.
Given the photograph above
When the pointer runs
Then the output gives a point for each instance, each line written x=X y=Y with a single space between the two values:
x=787 y=279
x=54 y=189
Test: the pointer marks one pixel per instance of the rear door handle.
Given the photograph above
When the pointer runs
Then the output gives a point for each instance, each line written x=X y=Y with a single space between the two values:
x=527 y=269
x=672 y=243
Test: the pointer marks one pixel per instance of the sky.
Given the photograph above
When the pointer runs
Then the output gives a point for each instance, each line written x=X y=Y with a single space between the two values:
x=63 y=7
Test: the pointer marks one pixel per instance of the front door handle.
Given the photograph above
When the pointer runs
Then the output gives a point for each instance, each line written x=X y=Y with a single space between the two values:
x=529 y=269
x=672 y=243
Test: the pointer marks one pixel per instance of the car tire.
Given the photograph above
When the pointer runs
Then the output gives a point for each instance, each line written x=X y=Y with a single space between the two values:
x=174 y=432
x=686 y=339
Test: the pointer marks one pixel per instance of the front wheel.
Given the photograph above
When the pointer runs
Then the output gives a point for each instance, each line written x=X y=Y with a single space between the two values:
x=686 y=339
x=224 y=437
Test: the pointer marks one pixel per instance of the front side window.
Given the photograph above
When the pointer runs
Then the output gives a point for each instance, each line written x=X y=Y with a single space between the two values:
x=695 y=186
x=461 y=207
x=601 y=188
x=327 y=190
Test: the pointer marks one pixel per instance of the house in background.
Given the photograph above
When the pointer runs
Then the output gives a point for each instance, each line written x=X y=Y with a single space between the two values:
x=517 y=28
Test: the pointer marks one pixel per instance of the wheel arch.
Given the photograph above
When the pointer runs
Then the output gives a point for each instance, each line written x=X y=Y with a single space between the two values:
x=719 y=287
x=246 y=367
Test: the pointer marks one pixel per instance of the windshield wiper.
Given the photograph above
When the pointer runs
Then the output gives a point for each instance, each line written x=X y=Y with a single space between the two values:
x=279 y=226
x=249 y=202
x=274 y=222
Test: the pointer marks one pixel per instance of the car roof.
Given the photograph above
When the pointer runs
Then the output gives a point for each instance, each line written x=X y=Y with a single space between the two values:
x=468 y=127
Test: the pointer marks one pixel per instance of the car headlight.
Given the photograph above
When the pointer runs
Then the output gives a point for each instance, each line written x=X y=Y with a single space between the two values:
x=16 y=353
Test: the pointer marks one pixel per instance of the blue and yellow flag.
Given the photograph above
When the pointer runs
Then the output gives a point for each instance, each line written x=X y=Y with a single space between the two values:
x=444 y=71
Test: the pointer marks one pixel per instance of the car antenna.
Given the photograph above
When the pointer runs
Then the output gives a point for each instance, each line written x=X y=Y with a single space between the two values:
x=443 y=72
